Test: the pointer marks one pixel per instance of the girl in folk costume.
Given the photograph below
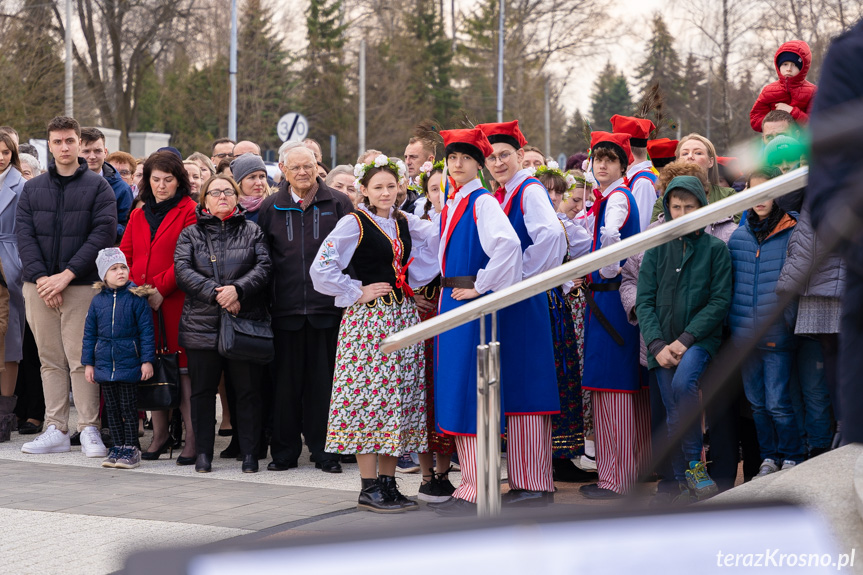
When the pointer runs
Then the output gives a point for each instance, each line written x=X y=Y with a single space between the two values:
x=529 y=380
x=571 y=213
x=377 y=410
x=611 y=366
x=435 y=487
x=567 y=428
x=479 y=253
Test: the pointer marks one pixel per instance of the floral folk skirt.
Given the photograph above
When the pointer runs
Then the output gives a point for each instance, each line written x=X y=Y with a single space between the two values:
x=438 y=442
x=578 y=306
x=378 y=402
x=567 y=427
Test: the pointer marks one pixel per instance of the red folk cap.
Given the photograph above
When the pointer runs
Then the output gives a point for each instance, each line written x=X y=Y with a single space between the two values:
x=467 y=141
x=662 y=149
x=639 y=129
x=506 y=132
x=617 y=142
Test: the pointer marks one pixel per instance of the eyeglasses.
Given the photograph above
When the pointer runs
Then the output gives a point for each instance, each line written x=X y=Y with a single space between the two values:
x=503 y=156
x=125 y=173
x=217 y=193
x=305 y=168
x=223 y=156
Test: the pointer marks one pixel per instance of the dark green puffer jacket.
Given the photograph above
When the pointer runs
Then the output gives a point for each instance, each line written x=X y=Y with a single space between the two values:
x=684 y=287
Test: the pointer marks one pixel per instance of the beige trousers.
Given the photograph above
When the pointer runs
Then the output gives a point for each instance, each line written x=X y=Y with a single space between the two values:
x=59 y=334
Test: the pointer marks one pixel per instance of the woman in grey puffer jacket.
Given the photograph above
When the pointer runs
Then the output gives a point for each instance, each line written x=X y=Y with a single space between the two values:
x=240 y=253
x=818 y=278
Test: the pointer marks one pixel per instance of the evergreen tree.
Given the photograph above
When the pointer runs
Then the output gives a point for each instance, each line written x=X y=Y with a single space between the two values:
x=610 y=96
x=430 y=80
x=324 y=98
x=694 y=115
x=263 y=83
x=575 y=138
x=661 y=67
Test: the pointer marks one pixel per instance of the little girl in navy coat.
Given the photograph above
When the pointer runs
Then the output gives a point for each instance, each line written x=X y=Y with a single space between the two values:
x=118 y=352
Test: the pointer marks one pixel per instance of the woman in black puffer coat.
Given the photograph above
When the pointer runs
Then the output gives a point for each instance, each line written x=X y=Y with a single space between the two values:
x=244 y=267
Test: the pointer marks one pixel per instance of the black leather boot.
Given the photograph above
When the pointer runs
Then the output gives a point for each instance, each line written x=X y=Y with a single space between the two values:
x=375 y=498
x=250 y=464
x=204 y=463
x=388 y=483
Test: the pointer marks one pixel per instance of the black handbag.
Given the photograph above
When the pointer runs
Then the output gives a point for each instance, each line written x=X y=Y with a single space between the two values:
x=162 y=391
x=240 y=338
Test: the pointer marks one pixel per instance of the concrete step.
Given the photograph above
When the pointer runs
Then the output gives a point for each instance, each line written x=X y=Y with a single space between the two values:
x=831 y=484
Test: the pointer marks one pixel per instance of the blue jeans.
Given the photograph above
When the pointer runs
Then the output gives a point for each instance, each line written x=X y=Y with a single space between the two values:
x=678 y=387
x=809 y=394
x=766 y=376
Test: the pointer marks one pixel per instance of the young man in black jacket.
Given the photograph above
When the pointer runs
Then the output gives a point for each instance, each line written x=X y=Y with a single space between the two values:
x=295 y=222
x=65 y=216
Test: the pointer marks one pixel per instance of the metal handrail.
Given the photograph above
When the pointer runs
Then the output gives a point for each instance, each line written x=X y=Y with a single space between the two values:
x=584 y=265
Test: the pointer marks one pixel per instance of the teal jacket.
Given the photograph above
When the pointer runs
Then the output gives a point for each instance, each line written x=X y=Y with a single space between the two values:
x=684 y=287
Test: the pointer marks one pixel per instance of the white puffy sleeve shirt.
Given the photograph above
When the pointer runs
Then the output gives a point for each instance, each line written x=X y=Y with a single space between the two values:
x=543 y=227
x=496 y=237
x=337 y=249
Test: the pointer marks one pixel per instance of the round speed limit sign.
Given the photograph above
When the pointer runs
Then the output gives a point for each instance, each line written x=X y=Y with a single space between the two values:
x=293 y=127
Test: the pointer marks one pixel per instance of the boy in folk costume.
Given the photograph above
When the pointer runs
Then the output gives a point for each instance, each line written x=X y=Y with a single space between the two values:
x=528 y=374
x=640 y=175
x=621 y=411
x=479 y=253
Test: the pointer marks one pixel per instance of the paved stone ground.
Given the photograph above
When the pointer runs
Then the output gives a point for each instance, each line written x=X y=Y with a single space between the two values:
x=65 y=513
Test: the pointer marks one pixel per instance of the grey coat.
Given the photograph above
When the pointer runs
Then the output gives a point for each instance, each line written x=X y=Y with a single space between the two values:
x=804 y=248
x=9 y=194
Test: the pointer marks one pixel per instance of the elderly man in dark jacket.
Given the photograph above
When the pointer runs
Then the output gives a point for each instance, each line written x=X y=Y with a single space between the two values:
x=834 y=187
x=65 y=216
x=295 y=221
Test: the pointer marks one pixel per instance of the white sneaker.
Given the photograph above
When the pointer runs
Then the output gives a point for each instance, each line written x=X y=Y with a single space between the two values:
x=91 y=443
x=788 y=464
x=51 y=441
x=768 y=466
x=585 y=463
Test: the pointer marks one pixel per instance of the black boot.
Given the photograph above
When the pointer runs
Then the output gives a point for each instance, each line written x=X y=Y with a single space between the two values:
x=8 y=419
x=250 y=464
x=375 y=498
x=204 y=463
x=175 y=429
x=388 y=483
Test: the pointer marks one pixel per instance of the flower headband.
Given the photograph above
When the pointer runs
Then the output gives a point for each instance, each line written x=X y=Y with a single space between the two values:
x=427 y=168
x=380 y=161
x=553 y=169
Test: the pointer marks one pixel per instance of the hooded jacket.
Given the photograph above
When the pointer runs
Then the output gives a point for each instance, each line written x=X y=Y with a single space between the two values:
x=124 y=196
x=796 y=91
x=684 y=286
x=243 y=261
x=756 y=267
x=63 y=226
x=810 y=270
x=118 y=333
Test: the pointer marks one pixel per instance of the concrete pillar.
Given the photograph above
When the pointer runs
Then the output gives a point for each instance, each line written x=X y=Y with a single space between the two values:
x=142 y=144
x=112 y=139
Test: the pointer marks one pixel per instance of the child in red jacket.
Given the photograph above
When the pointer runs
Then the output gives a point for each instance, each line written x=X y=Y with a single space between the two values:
x=791 y=93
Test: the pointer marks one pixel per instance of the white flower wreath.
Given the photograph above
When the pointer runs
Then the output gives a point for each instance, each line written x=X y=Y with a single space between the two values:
x=381 y=161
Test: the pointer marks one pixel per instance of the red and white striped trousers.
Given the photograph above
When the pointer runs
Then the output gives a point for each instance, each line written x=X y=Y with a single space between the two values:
x=528 y=458
x=622 y=427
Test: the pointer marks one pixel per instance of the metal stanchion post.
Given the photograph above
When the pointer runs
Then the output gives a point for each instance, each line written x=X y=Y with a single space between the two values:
x=494 y=415
x=482 y=427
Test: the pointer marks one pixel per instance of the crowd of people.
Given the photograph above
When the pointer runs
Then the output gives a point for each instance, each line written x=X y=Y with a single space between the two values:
x=104 y=256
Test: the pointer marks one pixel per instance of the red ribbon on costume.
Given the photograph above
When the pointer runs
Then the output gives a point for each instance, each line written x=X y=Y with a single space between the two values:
x=400 y=279
x=500 y=194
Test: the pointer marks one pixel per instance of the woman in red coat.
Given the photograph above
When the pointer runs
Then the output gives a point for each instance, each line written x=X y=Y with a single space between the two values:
x=149 y=244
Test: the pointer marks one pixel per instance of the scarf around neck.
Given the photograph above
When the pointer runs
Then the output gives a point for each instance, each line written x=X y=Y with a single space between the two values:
x=155 y=212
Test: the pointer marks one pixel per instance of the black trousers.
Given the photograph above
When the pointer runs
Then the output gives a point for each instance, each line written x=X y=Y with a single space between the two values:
x=121 y=410
x=28 y=387
x=302 y=384
x=205 y=370
x=850 y=397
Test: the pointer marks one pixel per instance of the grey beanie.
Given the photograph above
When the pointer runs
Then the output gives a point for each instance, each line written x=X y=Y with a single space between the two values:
x=247 y=164
x=107 y=258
